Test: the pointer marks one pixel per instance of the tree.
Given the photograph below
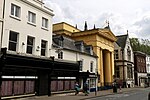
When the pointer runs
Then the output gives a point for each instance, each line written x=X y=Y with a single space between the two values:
x=143 y=45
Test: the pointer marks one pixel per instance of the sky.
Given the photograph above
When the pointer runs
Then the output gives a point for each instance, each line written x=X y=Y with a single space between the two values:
x=123 y=15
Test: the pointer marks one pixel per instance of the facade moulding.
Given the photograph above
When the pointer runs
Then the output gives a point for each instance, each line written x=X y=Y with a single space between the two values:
x=40 y=8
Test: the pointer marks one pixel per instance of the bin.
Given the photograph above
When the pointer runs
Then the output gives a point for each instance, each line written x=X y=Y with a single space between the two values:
x=114 y=88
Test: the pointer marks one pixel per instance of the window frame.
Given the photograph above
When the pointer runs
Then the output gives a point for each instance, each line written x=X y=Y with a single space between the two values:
x=60 y=55
x=31 y=17
x=11 y=42
x=45 y=23
x=81 y=65
x=43 y=48
x=14 y=9
x=91 y=66
x=30 y=45
x=116 y=54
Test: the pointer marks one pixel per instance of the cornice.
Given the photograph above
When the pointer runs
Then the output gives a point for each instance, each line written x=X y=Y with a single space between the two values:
x=124 y=61
x=63 y=32
x=40 y=8
x=66 y=24
x=101 y=32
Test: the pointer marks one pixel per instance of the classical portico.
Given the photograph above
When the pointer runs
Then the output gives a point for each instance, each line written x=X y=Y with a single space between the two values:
x=102 y=40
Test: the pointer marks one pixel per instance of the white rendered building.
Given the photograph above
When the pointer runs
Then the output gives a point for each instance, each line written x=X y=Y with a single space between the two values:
x=26 y=33
x=27 y=24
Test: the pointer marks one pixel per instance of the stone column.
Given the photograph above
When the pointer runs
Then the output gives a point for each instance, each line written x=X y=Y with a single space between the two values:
x=112 y=65
x=101 y=67
x=107 y=67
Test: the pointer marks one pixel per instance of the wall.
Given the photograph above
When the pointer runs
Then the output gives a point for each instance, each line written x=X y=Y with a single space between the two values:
x=1 y=8
x=76 y=56
x=148 y=64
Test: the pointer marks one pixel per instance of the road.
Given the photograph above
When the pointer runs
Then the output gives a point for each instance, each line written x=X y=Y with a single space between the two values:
x=133 y=95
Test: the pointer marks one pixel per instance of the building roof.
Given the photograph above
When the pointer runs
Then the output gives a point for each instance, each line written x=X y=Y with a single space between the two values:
x=69 y=44
x=121 y=40
x=139 y=53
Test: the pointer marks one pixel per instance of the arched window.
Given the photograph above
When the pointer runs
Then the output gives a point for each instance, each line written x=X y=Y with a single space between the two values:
x=60 y=55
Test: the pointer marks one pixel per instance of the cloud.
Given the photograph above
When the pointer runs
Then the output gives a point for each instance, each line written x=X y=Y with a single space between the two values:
x=141 y=25
x=77 y=12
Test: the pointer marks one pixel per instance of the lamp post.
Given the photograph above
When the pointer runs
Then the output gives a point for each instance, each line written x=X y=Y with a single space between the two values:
x=96 y=74
x=49 y=76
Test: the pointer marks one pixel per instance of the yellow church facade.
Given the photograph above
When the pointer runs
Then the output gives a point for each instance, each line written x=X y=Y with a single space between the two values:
x=102 y=40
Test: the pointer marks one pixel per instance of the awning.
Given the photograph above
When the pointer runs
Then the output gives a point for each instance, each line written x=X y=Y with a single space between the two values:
x=87 y=75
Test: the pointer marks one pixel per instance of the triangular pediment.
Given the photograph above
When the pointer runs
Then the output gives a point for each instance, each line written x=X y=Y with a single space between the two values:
x=107 y=34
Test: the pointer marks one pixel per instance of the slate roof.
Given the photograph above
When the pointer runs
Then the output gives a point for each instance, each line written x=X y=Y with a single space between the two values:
x=121 y=40
x=69 y=44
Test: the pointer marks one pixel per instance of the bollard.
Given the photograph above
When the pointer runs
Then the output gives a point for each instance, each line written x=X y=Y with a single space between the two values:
x=149 y=96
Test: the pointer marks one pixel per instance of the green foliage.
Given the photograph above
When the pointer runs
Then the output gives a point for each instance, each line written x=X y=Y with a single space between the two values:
x=142 y=45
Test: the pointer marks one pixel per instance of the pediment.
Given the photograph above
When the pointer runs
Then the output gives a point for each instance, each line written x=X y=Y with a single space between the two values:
x=107 y=33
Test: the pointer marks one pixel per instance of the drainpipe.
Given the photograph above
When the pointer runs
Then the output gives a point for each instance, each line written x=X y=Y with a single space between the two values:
x=1 y=44
x=2 y=23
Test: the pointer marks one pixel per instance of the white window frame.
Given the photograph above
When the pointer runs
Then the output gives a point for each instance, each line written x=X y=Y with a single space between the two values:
x=15 y=10
x=31 y=17
x=60 y=55
x=29 y=45
x=81 y=65
x=12 y=41
x=43 y=48
x=44 y=23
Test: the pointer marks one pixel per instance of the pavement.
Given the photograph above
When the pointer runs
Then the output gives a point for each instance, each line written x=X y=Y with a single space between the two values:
x=80 y=96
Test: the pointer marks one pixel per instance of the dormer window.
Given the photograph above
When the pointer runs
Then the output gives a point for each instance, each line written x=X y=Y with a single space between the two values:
x=60 y=42
x=79 y=45
x=58 y=39
x=89 y=49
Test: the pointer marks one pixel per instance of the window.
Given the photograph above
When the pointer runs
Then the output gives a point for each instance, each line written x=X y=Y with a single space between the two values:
x=117 y=71
x=129 y=71
x=30 y=41
x=13 y=37
x=31 y=17
x=116 y=54
x=92 y=83
x=91 y=66
x=129 y=53
x=60 y=55
x=44 y=22
x=60 y=43
x=15 y=10
x=43 y=47
x=80 y=65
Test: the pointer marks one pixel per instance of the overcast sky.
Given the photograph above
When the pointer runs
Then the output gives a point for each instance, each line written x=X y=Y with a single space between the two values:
x=123 y=15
